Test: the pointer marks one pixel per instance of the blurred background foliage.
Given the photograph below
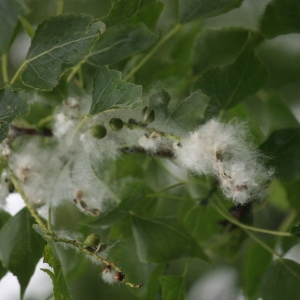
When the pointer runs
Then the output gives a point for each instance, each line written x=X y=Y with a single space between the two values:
x=243 y=63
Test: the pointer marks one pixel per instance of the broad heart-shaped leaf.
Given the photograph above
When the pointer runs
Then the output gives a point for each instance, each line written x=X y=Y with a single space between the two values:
x=163 y=239
x=119 y=42
x=283 y=147
x=21 y=247
x=60 y=289
x=9 y=12
x=13 y=104
x=282 y=281
x=111 y=92
x=59 y=44
x=281 y=17
x=190 y=10
x=190 y=112
x=133 y=12
x=173 y=287
x=153 y=282
x=229 y=85
x=218 y=47
x=256 y=261
x=271 y=112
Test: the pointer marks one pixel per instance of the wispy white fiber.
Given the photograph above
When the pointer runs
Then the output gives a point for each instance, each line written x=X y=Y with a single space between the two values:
x=223 y=150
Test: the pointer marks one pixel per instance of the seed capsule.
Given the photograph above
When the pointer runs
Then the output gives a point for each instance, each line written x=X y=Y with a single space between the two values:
x=98 y=131
x=92 y=240
x=116 y=124
x=119 y=276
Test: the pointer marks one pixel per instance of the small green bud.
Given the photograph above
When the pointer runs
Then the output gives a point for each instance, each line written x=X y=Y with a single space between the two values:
x=116 y=124
x=98 y=131
x=92 y=240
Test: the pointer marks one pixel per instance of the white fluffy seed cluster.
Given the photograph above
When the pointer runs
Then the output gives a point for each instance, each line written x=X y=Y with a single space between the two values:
x=108 y=275
x=223 y=150
x=151 y=142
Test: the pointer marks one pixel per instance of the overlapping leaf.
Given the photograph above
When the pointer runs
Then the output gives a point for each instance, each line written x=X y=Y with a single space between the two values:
x=229 y=85
x=173 y=287
x=60 y=289
x=120 y=42
x=134 y=12
x=13 y=104
x=218 y=47
x=23 y=247
x=190 y=10
x=59 y=43
x=271 y=112
x=257 y=260
x=190 y=112
x=283 y=147
x=111 y=92
x=281 y=281
x=281 y=17
x=163 y=239
x=10 y=10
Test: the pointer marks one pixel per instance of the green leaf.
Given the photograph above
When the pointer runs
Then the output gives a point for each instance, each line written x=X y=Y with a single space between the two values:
x=111 y=92
x=131 y=195
x=163 y=239
x=295 y=230
x=10 y=10
x=283 y=147
x=218 y=47
x=173 y=287
x=153 y=282
x=229 y=85
x=190 y=112
x=60 y=290
x=133 y=12
x=23 y=247
x=281 y=17
x=257 y=260
x=190 y=10
x=271 y=112
x=120 y=42
x=281 y=281
x=59 y=44
x=4 y=217
x=13 y=104
x=292 y=189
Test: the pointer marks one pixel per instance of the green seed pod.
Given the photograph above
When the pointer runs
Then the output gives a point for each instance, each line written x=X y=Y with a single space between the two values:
x=116 y=124
x=92 y=240
x=98 y=131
